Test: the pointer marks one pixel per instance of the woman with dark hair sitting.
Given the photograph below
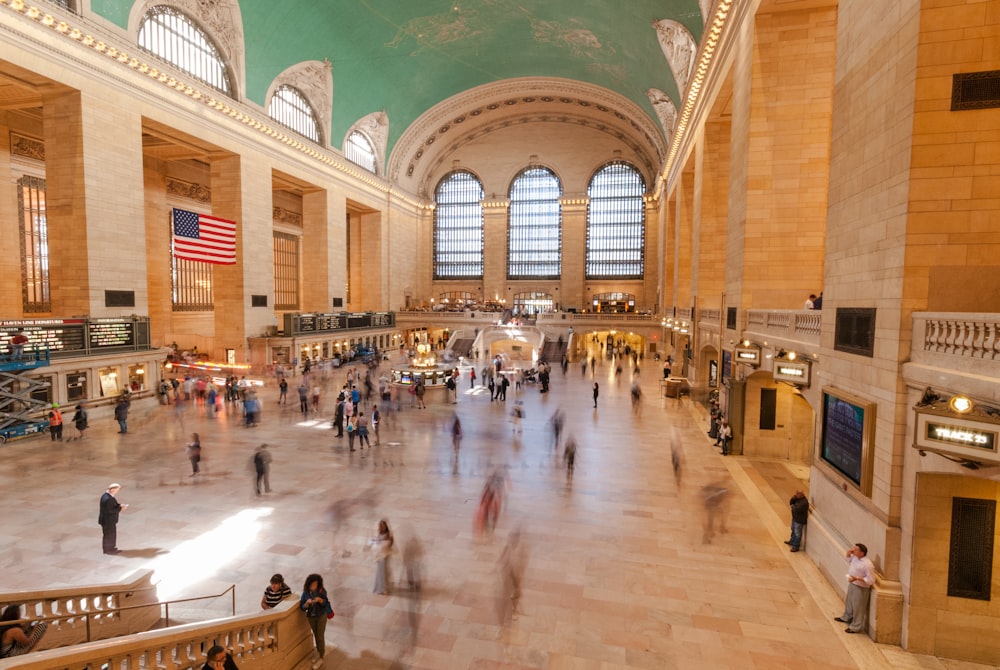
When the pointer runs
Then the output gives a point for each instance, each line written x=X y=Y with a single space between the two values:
x=17 y=639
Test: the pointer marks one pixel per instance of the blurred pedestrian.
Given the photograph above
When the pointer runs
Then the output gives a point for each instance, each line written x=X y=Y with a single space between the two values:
x=262 y=468
x=512 y=564
x=382 y=547
x=80 y=421
x=194 y=453
x=597 y=392
x=715 y=510
x=569 y=455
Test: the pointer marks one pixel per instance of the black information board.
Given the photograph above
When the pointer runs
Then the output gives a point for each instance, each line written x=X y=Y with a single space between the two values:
x=56 y=335
x=104 y=333
x=844 y=436
x=296 y=324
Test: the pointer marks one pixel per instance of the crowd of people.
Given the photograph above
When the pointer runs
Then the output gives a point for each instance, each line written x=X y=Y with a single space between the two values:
x=357 y=413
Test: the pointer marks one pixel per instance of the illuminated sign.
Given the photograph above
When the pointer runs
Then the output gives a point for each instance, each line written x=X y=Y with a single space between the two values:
x=940 y=432
x=970 y=437
x=792 y=372
x=748 y=356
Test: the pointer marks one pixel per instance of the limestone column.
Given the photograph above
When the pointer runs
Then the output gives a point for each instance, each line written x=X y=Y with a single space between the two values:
x=241 y=191
x=324 y=233
x=94 y=203
x=495 y=250
x=572 y=288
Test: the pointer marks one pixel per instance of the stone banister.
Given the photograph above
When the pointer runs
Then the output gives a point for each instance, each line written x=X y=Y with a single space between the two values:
x=91 y=610
x=961 y=341
x=277 y=639
x=787 y=325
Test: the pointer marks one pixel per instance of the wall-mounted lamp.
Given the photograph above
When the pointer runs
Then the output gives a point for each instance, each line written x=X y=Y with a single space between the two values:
x=961 y=404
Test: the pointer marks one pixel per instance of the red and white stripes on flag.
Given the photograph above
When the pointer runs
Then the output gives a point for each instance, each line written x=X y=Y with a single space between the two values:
x=199 y=237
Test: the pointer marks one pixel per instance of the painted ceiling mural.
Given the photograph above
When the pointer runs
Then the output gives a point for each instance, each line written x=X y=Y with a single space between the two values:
x=403 y=57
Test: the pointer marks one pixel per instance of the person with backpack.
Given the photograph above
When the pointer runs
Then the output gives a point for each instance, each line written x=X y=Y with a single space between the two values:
x=80 y=420
x=194 y=453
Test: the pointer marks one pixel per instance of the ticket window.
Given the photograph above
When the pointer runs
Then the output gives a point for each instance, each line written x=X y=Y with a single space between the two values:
x=43 y=392
x=76 y=387
x=110 y=383
x=137 y=377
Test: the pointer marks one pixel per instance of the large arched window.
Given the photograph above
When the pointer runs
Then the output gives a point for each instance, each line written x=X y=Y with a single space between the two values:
x=170 y=34
x=359 y=150
x=616 y=223
x=534 y=230
x=458 y=227
x=291 y=109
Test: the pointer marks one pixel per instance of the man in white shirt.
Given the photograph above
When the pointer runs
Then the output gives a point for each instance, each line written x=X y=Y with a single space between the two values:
x=860 y=579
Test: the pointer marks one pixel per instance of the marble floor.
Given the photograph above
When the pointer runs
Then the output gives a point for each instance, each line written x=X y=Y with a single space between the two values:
x=619 y=572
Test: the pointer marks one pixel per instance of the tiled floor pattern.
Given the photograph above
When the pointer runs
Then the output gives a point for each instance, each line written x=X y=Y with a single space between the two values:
x=620 y=572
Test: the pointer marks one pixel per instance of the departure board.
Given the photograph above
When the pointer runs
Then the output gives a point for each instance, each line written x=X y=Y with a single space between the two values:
x=56 y=335
x=104 y=333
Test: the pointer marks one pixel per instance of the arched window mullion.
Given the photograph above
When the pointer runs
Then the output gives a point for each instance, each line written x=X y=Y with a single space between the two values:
x=458 y=227
x=172 y=36
x=616 y=223
x=534 y=229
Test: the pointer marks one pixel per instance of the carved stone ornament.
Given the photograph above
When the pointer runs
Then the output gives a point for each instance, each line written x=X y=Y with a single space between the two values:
x=189 y=190
x=282 y=215
x=314 y=80
x=220 y=18
x=28 y=147
x=665 y=110
x=679 y=48
x=706 y=7
x=375 y=127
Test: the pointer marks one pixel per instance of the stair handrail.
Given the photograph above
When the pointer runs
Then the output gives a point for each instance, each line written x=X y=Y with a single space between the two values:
x=166 y=616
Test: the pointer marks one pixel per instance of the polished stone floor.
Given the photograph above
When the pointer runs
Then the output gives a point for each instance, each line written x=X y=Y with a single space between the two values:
x=619 y=571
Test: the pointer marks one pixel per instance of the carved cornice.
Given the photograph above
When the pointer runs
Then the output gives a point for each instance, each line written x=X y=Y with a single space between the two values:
x=189 y=190
x=526 y=96
x=679 y=49
x=27 y=147
x=665 y=110
x=282 y=215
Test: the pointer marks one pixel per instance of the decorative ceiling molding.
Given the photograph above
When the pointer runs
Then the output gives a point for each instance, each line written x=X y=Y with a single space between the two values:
x=432 y=164
x=314 y=80
x=497 y=105
x=282 y=215
x=222 y=22
x=375 y=127
x=679 y=48
x=665 y=110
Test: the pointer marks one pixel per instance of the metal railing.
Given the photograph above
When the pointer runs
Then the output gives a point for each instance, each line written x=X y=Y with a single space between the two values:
x=107 y=613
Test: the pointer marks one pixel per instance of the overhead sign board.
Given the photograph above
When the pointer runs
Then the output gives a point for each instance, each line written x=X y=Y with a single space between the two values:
x=793 y=372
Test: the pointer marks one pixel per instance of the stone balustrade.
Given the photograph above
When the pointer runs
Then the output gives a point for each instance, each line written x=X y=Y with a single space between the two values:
x=277 y=639
x=789 y=325
x=90 y=613
x=960 y=342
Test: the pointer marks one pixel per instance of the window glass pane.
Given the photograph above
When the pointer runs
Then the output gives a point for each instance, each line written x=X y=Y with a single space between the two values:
x=616 y=223
x=458 y=227
x=291 y=109
x=171 y=35
x=359 y=150
x=34 y=245
x=534 y=231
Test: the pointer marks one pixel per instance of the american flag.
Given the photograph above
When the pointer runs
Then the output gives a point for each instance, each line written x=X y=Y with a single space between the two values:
x=199 y=237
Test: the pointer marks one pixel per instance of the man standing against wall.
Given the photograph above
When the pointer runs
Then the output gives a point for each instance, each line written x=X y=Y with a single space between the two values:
x=860 y=579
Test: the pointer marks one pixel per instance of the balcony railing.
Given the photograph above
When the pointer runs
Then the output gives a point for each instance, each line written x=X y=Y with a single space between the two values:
x=974 y=337
x=797 y=325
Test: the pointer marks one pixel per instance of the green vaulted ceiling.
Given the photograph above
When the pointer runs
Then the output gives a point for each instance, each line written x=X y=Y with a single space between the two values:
x=406 y=56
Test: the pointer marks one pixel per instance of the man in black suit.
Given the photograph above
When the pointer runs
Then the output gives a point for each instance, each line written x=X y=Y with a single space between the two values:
x=108 y=518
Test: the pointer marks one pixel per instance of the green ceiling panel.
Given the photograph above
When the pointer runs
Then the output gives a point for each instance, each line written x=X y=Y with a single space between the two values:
x=405 y=56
